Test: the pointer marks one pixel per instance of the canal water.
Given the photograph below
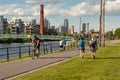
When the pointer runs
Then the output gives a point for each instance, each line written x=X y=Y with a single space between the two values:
x=14 y=49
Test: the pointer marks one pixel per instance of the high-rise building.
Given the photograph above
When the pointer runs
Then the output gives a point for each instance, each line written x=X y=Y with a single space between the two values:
x=5 y=25
x=32 y=27
x=20 y=25
x=84 y=27
x=61 y=28
x=17 y=26
x=1 y=24
x=87 y=27
x=66 y=24
x=14 y=29
x=52 y=27
x=46 y=24
x=28 y=29
x=35 y=29
x=72 y=29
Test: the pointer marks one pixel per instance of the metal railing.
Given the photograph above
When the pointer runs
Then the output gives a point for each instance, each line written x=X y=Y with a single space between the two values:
x=13 y=52
x=17 y=52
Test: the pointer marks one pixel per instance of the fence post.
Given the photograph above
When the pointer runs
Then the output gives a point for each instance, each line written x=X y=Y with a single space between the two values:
x=44 y=47
x=51 y=48
x=29 y=50
x=68 y=46
x=8 y=54
x=71 y=45
x=19 y=52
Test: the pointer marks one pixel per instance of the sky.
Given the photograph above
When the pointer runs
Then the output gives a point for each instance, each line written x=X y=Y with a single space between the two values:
x=58 y=10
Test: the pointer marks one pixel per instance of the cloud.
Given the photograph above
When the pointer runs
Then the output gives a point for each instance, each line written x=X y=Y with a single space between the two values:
x=55 y=11
x=15 y=11
x=85 y=8
x=44 y=1
x=113 y=7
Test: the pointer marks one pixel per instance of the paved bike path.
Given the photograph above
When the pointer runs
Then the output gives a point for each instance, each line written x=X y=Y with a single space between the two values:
x=14 y=68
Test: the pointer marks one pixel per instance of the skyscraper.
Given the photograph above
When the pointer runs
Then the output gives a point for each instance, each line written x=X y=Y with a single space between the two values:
x=46 y=24
x=1 y=24
x=66 y=24
x=72 y=29
x=84 y=27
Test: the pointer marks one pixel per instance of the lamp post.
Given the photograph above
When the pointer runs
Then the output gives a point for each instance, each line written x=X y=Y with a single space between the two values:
x=80 y=27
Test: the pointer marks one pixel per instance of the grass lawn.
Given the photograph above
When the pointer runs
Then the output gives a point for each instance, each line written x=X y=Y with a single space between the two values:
x=106 y=66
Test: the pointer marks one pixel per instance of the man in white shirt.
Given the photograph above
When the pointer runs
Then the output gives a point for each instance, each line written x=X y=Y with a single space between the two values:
x=61 y=44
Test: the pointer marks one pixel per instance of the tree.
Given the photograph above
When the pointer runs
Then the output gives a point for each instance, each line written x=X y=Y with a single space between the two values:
x=117 y=33
x=8 y=31
x=109 y=35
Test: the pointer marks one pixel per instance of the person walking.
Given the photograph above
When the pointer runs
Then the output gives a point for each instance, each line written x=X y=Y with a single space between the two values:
x=81 y=47
x=61 y=45
x=64 y=44
x=93 y=46
x=36 y=46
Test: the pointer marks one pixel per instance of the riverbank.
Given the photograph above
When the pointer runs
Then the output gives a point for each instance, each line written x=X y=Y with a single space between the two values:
x=21 y=40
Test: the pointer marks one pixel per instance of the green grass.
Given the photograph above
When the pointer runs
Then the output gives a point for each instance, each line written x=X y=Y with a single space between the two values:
x=106 y=66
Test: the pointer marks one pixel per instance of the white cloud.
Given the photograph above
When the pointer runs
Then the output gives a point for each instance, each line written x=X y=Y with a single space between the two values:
x=44 y=1
x=14 y=11
x=54 y=11
x=113 y=7
x=81 y=9
x=84 y=8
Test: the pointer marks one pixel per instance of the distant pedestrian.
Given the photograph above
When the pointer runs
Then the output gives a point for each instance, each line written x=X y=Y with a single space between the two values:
x=61 y=45
x=81 y=47
x=36 y=46
x=64 y=44
x=93 y=46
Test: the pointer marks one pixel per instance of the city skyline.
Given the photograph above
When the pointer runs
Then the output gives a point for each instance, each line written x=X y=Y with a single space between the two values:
x=58 y=10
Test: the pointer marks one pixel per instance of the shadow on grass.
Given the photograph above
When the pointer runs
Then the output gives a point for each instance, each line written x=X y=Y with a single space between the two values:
x=104 y=58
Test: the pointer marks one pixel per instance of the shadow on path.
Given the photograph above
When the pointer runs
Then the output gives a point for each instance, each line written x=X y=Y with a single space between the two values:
x=53 y=57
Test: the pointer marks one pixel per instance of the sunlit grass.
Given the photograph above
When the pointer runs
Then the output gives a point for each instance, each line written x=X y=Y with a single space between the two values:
x=106 y=66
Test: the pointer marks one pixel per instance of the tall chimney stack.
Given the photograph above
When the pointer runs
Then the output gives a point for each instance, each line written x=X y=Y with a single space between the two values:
x=41 y=19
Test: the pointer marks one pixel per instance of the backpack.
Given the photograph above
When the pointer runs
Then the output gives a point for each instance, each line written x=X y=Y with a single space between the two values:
x=81 y=43
x=38 y=43
x=93 y=43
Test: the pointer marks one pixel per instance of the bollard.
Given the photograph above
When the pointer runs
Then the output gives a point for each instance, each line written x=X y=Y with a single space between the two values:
x=8 y=54
x=51 y=48
x=19 y=52
x=29 y=50
x=44 y=47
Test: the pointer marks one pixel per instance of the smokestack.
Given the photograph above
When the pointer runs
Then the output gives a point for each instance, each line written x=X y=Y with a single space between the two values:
x=42 y=19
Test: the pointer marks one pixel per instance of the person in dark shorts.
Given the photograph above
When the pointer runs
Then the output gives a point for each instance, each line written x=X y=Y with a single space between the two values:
x=61 y=45
x=36 y=46
x=81 y=47
x=93 y=46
